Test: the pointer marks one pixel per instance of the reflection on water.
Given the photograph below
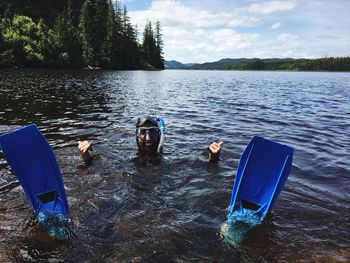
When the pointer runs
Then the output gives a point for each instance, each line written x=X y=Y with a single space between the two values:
x=125 y=210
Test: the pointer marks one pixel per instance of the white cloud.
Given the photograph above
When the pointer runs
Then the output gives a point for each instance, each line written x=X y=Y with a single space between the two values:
x=197 y=31
x=284 y=45
x=243 y=21
x=195 y=35
x=199 y=45
x=176 y=14
x=288 y=38
x=270 y=7
x=123 y=1
x=276 y=26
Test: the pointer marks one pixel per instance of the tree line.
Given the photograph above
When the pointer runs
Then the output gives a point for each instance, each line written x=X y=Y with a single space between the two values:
x=96 y=34
x=320 y=64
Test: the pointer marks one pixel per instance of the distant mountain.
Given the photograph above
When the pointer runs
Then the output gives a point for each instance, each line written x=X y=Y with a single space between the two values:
x=300 y=64
x=221 y=64
x=173 y=64
x=227 y=63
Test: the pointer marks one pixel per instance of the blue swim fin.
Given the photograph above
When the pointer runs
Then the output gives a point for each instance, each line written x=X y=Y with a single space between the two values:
x=33 y=162
x=263 y=170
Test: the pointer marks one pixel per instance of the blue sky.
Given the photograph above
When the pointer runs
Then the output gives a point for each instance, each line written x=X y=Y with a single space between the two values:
x=203 y=30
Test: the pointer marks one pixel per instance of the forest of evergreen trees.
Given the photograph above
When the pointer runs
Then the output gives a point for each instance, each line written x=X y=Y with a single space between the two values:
x=75 y=34
x=320 y=64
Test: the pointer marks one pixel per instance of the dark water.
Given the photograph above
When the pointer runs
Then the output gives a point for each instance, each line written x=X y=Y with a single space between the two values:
x=126 y=211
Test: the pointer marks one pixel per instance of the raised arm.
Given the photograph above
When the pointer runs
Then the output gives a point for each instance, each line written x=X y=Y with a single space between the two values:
x=214 y=151
x=84 y=148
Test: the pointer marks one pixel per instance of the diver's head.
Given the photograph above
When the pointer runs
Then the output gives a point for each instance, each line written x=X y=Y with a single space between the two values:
x=147 y=135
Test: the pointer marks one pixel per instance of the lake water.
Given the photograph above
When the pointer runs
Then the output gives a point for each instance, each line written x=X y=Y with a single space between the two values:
x=123 y=210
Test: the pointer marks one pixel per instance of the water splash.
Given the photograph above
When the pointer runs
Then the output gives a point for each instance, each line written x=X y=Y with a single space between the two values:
x=55 y=224
x=238 y=224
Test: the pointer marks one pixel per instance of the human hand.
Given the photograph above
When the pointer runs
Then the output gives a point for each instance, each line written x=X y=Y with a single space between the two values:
x=84 y=148
x=214 y=151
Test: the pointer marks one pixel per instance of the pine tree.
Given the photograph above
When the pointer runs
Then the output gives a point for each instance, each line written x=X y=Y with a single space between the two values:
x=101 y=36
x=148 y=44
x=47 y=44
x=117 y=40
x=152 y=46
x=104 y=27
x=86 y=33
x=106 y=51
x=67 y=39
x=93 y=32
x=2 y=44
x=130 y=58
x=159 y=60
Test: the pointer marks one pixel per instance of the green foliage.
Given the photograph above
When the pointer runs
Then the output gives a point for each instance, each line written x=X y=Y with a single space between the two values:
x=67 y=40
x=47 y=10
x=130 y=57
x=106 y=51
x=117 y=40
x=2 y=44
x=159 y=60
x=148 y=44
x=24 y=38
x=321 y=64
x=152 y=46
x=94 y=32
x=72 y=34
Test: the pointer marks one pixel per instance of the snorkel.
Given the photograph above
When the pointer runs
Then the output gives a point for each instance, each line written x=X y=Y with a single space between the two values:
x=161 y=124
x=150 y=134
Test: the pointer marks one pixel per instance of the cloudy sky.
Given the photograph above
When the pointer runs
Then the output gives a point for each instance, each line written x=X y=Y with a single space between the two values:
x=208 y=30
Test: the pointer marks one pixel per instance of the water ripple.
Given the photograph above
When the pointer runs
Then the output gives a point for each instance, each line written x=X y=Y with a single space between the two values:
x=125 y=210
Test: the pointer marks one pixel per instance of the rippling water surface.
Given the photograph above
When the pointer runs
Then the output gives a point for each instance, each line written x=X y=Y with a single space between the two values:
x=123 y=210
